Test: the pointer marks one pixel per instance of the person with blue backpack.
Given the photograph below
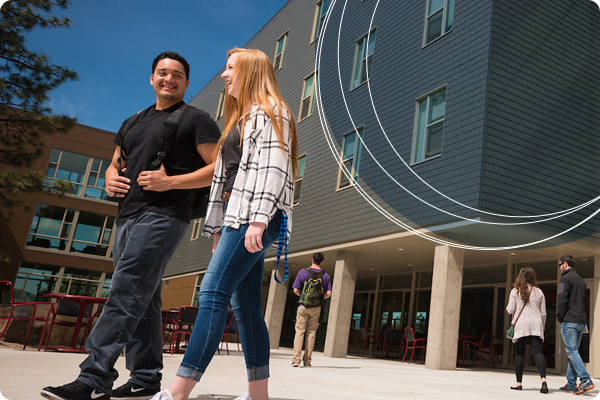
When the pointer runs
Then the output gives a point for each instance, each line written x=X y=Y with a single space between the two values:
x=313 y=286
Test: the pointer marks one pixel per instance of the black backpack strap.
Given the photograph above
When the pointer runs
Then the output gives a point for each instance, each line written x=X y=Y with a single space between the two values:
x=168 y=130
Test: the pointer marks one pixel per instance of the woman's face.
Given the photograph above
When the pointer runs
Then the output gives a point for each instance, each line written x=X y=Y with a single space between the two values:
x=230 y=76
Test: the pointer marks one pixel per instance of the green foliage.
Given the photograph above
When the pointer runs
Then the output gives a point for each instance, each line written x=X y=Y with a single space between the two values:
x=26 y=78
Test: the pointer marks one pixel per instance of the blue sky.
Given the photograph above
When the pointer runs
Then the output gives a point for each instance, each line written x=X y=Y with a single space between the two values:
x=111 y=45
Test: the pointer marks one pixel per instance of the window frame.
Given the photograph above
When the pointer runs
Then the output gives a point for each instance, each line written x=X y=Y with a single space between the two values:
x=220 y=106
x=443 y=28
x=318 y=19
x=67 y=230
x=315 y=76
x=361 y=62
x=196 y=228
x=282 y=53
x=415 y=140
x=87 y=175
x=355 y=160
x=299 y=180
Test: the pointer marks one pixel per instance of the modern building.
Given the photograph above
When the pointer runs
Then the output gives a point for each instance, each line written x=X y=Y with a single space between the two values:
x=63 y=244
x=468 y=136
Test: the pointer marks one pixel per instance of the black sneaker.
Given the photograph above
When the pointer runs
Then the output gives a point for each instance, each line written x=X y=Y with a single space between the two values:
x=131 y=391
x=568 y=389
x=73 y=391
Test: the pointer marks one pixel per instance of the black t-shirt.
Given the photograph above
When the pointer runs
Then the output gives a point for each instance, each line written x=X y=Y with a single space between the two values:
x=232 y=153
x=140 y=147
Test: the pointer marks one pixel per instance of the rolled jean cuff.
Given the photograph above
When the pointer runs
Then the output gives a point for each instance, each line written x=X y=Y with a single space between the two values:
x=258 y=373
x=190 y=373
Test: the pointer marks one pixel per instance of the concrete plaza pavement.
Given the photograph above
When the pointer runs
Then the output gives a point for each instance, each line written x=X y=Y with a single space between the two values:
x=24 y=373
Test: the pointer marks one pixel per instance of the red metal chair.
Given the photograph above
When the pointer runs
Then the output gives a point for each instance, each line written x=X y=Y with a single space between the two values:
x=481 y=348
x=392 y=338
x=169 y=322
x=184 y=326
x=231 y=328
x=412 y=343
x=7 y=299
x=70 y=310
x=366 y=340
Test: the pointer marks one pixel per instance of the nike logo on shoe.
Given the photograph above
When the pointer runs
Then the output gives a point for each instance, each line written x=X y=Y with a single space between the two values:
x=95 y=394
x=136 y=390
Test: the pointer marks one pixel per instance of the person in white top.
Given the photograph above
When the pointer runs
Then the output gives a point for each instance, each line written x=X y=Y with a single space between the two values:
x=528 y=301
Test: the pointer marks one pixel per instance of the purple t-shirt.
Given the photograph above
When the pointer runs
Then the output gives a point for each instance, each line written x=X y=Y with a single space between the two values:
x=303 y=277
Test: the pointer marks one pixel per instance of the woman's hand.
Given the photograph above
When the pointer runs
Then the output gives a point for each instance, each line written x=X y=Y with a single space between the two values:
x=216 y=238
x=254 y=234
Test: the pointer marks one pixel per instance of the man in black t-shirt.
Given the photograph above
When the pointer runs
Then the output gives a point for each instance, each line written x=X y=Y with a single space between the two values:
x=154 y=212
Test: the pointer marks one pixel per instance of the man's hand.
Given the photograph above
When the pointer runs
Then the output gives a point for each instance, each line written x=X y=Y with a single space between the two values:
x=157 y=181
x=118 y=186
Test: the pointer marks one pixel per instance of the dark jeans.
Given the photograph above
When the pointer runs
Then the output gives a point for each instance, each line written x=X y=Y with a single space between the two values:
x=536 y=350
x=131 y=317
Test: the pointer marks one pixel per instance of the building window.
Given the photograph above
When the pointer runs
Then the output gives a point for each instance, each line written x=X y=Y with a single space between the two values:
x=308 y=95
x=320 y=13
x=350 y=157
x=196 y=229
x=84 y=172
x=438 y=20
x=299 y=179
x=69 y=230
x=221 y=105
x=279 y=50
x=363 y=60
x=429 y=128
x=34 y=280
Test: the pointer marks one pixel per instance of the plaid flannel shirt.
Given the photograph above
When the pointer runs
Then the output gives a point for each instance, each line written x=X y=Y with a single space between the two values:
x=264 y=181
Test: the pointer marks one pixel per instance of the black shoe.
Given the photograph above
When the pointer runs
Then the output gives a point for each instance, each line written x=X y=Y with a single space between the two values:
x=520 y=387
x=544 y=388
x=131 y=391
x=73 y=391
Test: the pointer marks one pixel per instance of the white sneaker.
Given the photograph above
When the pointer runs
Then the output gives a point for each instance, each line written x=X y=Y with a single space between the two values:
x=164 y=395
x=245 y=396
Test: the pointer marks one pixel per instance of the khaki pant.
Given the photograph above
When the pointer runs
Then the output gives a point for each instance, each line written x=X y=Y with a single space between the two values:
x=307 y=319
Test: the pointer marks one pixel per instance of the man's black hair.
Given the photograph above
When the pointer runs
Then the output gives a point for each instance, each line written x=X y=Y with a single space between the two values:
x=568 y=259
x=173 y=56
x=318 y=258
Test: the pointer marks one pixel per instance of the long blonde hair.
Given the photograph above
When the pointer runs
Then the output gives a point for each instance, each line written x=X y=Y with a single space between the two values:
x=257 y=85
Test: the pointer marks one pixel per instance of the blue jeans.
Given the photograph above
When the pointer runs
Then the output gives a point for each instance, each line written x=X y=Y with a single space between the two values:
x=233 y=275
x=571 y=333
x=131 y=317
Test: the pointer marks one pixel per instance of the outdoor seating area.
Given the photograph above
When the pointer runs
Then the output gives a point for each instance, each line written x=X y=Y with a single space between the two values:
x=392 y=343
x=70 y=311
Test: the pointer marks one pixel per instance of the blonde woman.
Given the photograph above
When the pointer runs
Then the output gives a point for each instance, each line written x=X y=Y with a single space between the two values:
x=251 y=200
x=528 y=301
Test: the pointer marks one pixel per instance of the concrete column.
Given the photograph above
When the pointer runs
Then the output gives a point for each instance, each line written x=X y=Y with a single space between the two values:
x=444 y=311
x=340 y=308
x=594 y=321
x=275 y=307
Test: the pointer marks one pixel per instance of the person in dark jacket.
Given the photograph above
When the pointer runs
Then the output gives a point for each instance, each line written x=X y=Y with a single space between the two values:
x=571 y=315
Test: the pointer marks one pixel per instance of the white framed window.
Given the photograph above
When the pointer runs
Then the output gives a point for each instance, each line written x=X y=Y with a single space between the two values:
x=299 y=179
x=84 y=172
x=279 y=52
x=308 y=97
x=320 y=14
x=196 y=228
x=363 y=59
x=350 y=157
x=429 y=126
x=72 y=231
x=221 y=105
x=438 y=19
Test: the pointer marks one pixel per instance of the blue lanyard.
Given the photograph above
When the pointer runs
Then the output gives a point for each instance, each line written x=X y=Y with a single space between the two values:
x=282 y=243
